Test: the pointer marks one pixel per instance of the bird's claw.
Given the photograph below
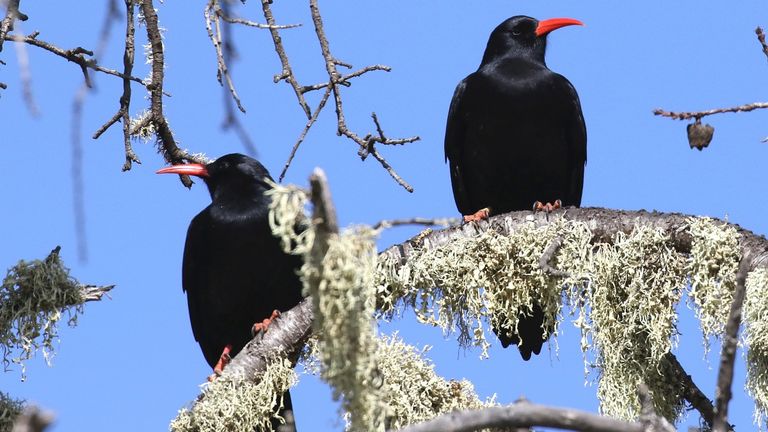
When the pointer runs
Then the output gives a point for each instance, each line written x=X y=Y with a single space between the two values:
x=548 y=207
x=479 y=215
x=224 y=360
x=263 y=326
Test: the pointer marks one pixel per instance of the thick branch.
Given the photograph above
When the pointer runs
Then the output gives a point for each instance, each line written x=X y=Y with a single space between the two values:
x=604 y=223
x=524 y=414
x=690 y=391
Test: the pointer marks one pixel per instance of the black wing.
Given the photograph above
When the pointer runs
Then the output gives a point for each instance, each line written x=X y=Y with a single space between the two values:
x=576 y=137
x=454 y=149
x=194 y=281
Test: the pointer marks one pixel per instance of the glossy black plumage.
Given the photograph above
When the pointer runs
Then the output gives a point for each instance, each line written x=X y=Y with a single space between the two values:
x=235 y=273
x=515 y=135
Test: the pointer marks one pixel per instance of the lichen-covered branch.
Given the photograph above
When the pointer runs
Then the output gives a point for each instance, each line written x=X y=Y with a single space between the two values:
x=35 y=294
x=11 y=14
x=603 y=223
x=166 y=141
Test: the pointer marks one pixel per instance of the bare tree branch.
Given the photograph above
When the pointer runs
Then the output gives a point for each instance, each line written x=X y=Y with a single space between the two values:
x=761 y=39
x=723 y=392
x=75 y=55
x=287 y=73
x=524 y=414
x=227 y=48
x=366 y=143
x=699 y=114
x=123 y=113
x=11 y=14
x=389 y=223
x=690 y=391
x=304 y=132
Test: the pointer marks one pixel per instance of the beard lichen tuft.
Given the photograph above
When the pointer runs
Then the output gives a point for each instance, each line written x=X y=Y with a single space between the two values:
x=33 y=296
x=635 y=285
x=239 y=405
x=342 y=292
x=756 y=340
x=10 y=408
x=712 y=267
x=343 y=300
x=413 y=392
x=493 y=276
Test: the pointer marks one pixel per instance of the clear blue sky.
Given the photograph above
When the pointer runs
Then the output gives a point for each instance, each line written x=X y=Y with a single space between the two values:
x=132 y=361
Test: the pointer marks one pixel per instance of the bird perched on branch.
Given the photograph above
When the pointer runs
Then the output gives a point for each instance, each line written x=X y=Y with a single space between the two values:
x=516 y=138
x=236 y=276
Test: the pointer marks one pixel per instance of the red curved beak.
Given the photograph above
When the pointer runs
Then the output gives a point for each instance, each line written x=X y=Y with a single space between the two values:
x=549 y=25
x=188 y=169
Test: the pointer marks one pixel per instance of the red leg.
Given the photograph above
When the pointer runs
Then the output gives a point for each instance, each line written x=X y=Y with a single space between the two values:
x=264 y=324
x=479 y=215
x=222 y=363
x=548 y=207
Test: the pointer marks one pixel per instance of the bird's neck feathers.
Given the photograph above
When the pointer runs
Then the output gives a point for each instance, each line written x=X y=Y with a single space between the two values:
x=240 y=198
x=499 y=50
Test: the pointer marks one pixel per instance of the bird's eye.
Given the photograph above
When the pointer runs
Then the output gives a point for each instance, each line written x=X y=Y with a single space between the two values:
x=516 y=32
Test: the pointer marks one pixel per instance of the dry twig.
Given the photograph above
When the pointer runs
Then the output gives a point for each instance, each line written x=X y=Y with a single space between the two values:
x=723 y=392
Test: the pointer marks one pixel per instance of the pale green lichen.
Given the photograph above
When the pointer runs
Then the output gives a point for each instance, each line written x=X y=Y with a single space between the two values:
x=239 y=405
x=459 y=285
x=712 y=267
x=342 y=291
x=756 y=340
x=341 y=288
x=10 y=408
x=636 y=282
x=412 y=391
x=33 y=297
x=624 y=293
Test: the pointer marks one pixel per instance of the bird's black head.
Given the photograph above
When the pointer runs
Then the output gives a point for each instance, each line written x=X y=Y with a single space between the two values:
x=523 y=36
x=231 y=177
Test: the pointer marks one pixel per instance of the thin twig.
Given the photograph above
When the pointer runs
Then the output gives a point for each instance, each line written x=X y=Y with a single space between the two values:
x=231 y=119
x=723 y=392
x=761 y=39
x=223 y=14
x=74 y=55
x=78 y=188
x=25 y=74
x=367 y=143
x=389 y=223
x=287 y=73
x=94 y=292
x=344 y=80
x=699 y=114
x=304 y=132
x=211 y=21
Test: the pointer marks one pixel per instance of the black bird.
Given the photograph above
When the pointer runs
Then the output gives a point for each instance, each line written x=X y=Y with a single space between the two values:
x=515 y=136
x=235 y=273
